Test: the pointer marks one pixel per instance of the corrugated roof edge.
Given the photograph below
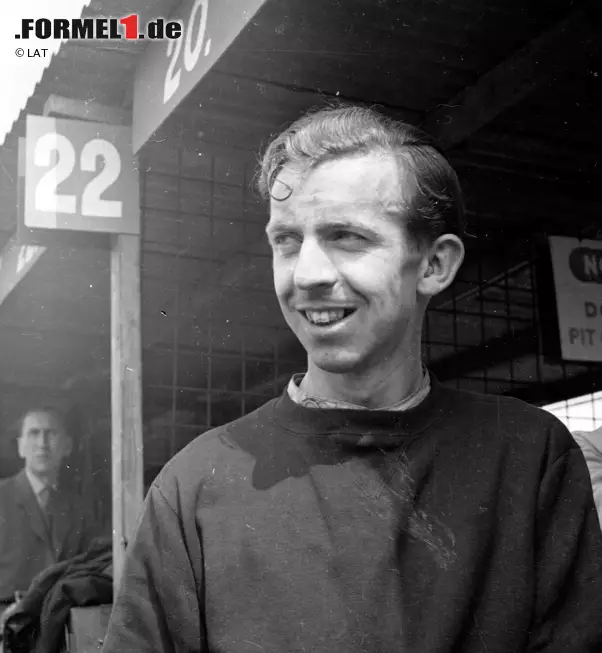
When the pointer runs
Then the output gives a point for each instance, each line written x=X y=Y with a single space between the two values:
x=17 y=101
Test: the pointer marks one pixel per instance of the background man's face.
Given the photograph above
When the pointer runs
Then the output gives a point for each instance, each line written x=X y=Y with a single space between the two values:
x=43 y=444
x=345 y=272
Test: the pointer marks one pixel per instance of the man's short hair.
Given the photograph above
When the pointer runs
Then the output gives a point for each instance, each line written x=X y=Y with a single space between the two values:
x=53 y=411
x=436 y=207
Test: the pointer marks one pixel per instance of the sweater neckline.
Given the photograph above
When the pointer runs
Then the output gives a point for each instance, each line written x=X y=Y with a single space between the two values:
x=353 y=425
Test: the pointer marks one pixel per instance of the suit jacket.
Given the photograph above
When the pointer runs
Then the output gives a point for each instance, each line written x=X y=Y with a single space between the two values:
x=27 y=547
x=591 y=445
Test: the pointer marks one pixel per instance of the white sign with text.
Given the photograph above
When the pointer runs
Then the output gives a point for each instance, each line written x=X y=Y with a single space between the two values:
x=577 y=266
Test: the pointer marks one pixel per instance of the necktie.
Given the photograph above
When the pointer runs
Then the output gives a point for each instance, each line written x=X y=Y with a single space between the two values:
x=45 y=503
x=44 y=498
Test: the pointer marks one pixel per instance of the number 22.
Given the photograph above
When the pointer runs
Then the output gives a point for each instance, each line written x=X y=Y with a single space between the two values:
x=48 y=200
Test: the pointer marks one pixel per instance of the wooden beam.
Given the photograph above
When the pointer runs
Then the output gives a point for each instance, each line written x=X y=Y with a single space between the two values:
x=539 y=62
x=282 y=101
x=576 y=385
x=214 y=108
x=126 y=393
x=494 y=351
x=535 y=149
x=58 y=106
x=127 y=459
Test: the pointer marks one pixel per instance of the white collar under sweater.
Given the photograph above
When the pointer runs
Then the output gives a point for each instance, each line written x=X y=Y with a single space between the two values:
x=299 y=396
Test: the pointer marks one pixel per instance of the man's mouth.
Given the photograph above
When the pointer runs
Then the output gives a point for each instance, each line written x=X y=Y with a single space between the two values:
x=328 y=317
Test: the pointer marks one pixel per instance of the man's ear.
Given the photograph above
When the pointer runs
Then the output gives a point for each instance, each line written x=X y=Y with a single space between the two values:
x=440 y=265
x=20 y=446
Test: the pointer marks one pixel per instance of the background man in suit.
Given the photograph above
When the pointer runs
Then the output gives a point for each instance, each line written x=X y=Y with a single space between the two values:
x=40 y=522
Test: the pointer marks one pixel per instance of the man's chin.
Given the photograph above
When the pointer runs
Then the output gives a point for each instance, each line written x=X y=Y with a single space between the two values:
x=336 y=362
x=43 y=468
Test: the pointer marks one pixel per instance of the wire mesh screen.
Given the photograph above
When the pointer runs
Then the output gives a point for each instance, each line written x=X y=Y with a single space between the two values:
x=579 y=413
x=486 y=336
x=215 y=345
x=483 y=336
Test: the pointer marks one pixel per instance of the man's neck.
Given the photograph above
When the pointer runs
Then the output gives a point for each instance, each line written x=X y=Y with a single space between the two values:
x=377 y=388
x=46 y=480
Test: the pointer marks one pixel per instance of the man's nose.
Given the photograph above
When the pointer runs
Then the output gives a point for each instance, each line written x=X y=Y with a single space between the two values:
x=314 y=266
x=43 y=439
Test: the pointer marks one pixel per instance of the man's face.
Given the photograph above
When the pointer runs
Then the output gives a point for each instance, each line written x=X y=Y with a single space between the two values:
x=345 y=272
x=43 y=444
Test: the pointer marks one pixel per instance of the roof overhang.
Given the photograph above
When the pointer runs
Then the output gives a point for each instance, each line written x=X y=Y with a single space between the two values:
x=22 y=75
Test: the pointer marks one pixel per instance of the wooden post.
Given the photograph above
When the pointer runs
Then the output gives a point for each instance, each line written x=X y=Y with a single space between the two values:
x=126 y=394
x=126 y=358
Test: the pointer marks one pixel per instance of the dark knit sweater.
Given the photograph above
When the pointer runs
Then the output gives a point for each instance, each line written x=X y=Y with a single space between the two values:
x=466 y=526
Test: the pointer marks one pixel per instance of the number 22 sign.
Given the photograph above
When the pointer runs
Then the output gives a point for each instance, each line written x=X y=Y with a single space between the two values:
x=80 y=176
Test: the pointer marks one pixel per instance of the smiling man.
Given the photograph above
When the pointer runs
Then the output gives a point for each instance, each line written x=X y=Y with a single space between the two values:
x=367 y=509
x=352 y=284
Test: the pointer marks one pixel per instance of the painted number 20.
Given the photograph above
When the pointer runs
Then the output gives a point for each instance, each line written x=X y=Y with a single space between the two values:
x=48 y=200
x=192 y=52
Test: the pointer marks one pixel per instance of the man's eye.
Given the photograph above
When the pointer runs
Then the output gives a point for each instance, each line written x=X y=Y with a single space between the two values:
x=347 y=237
x=285 y=241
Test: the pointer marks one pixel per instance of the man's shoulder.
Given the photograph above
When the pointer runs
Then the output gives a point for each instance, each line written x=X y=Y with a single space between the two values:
x=504 y=405
x=10 y=489
x=10 y=483
x=218 y=448
x=511 y=418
